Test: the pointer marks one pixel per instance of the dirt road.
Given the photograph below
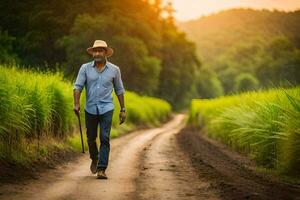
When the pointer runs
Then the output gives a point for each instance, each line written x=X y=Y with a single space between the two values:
x=160 y=163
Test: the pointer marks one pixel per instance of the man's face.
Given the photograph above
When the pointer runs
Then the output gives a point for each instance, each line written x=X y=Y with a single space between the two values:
x=99 y=55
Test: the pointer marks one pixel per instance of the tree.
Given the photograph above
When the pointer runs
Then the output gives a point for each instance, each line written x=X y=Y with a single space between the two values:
x=208 y=85
x=245 y=82
x=140 y=71
x=6 y=48
x=179 y=67
x=281 y=64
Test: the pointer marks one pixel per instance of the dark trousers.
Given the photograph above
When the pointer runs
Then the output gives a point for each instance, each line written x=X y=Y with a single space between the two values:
x=105 y=122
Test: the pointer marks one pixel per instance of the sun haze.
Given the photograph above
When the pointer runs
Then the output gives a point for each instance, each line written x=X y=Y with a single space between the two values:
x=193 y=9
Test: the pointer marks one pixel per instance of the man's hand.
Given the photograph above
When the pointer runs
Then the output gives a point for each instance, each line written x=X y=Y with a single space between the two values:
x=122 y=117
x=77 y=109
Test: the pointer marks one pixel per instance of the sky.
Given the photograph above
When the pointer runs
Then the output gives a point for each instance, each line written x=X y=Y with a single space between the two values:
x=193 y=9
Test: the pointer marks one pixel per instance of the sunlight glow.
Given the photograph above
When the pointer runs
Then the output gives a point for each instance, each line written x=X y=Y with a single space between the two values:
x=193 y=9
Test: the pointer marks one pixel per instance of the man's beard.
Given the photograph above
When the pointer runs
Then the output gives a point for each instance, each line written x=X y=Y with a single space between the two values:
x=100 y=59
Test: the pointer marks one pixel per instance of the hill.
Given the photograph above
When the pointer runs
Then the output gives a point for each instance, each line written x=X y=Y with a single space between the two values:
x=263 y=43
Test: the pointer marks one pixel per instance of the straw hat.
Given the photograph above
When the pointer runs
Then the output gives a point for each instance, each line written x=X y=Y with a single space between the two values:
x=100 y=43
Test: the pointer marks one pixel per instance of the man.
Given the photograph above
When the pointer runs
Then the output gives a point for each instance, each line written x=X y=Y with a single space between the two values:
x=99 y=77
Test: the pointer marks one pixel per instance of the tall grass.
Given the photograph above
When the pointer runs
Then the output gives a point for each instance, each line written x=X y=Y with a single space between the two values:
x=146 y=110
x=37 y=108
x=264 y=124
x=33 y=105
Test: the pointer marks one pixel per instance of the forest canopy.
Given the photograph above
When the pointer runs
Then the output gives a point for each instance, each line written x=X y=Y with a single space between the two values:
x=154 y=57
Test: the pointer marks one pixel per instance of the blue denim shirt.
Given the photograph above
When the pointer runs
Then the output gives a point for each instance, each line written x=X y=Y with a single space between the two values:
x=99 y=86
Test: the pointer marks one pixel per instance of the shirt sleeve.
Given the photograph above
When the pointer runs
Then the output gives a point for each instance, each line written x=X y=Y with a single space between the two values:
x=81 y=79
x=118 y=84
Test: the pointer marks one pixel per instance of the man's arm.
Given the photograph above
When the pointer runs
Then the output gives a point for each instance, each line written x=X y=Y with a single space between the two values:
x=119 y=90
x=78 y=86
x=121 y=101
x=76 y=94
x=122 y=115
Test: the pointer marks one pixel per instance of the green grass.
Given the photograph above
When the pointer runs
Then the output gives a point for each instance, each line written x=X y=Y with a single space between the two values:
x=263 y=124
x=36 y=114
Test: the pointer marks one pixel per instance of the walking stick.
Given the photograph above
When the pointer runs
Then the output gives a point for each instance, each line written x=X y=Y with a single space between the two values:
x=80 y=132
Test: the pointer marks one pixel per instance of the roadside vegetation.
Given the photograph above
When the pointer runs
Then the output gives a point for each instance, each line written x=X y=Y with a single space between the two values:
x=262 y=124
x=36 y=114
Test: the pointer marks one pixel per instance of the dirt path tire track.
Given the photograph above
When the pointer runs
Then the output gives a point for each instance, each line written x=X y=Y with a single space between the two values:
x=231 y=175
x=166 y=172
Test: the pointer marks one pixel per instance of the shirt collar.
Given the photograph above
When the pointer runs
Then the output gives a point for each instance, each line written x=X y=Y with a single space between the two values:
x=94 y=65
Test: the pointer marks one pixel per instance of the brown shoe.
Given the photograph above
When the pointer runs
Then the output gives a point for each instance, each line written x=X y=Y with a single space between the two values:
x=93 y=166
x=101 y=174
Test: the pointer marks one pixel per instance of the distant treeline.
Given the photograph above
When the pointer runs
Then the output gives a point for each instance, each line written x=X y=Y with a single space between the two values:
x=245 y=49
x=155 y=58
